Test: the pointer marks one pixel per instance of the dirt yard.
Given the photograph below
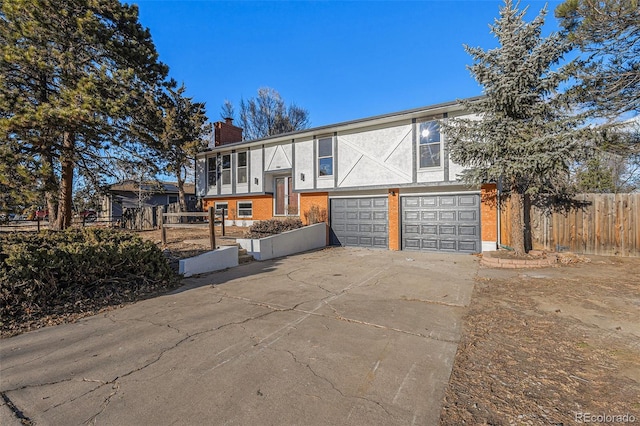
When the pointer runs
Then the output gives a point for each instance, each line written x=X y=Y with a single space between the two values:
x=554 y=346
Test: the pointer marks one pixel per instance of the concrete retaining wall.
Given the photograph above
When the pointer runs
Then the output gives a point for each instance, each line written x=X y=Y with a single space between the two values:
x=222 y=258
x=290 y=242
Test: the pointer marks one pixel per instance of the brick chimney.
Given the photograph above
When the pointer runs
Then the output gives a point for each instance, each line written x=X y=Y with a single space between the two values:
x=226 y=132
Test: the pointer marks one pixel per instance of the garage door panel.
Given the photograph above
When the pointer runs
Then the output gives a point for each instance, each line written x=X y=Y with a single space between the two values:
x=448 y=245
x=471 y=246
x=411 y=229
x=447 y=201
x=379 y=215
x=447 y=230
x=468 y=215
x=429 y=229
x=365 y=227
x=447 y=216
x=467 y=230
x=428 y=216
x=428 y=201
x=467 y=200
x=429 y=244
x=444 y=222
x=360 y=222
x=409 y=215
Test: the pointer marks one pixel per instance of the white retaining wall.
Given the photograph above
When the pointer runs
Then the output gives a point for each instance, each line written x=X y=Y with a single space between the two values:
x=221 y=258
x=290 y=242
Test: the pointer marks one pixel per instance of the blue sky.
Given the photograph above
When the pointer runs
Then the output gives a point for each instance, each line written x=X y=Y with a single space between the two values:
x=341 y=60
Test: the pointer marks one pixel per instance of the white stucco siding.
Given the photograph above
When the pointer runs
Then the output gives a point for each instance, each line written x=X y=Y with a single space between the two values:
x=430 y=175
x=454 y=170
x=201 y=173
x=255 y=164
x=375 y=157
x=278 y=157
x=304 y=161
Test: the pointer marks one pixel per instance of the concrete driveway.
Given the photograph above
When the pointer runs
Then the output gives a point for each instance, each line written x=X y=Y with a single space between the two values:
x=338 y=336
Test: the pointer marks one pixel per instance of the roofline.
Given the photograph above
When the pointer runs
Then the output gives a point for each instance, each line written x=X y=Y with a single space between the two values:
x=340 y=126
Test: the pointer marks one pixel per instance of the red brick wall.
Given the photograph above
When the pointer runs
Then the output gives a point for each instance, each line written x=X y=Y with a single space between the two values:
x=394 y=219
x=226 y=133
x=319 y=199
x=262 y=206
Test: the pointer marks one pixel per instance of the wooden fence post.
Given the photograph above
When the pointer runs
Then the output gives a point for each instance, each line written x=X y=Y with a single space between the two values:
x=223 y=222
x=163 y=230
x=212 y=227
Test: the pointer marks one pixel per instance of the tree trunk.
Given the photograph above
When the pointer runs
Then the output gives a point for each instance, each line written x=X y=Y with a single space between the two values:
x=181 y=196
x=66 y=183
x=517 y=221
x=51 y=186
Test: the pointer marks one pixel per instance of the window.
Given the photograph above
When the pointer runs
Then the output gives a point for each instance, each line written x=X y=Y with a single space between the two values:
x=220 y=206
x=226 y=169
x=286 y=200
x=212 y=175
x=242 y=167
x=173 y=199
x=429 y=133
x=245 y=208
x=325 y=157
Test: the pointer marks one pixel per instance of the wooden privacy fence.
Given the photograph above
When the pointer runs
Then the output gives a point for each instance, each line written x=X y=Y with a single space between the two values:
x=142 y=218
x=150 y=217
x=605 y=224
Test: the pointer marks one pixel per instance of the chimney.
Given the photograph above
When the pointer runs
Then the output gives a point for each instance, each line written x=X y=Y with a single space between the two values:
x=225 y=132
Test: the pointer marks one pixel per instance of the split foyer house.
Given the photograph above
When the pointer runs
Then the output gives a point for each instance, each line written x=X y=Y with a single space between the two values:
x=384 y=182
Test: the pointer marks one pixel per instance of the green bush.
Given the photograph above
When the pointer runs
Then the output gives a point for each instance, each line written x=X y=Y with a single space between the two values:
x=265 y=228
x=75 y=271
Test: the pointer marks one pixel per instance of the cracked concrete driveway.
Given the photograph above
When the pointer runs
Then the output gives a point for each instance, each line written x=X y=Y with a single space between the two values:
x=337 y=336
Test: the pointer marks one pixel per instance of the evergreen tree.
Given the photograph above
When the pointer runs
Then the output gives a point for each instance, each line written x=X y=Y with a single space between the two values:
x=183 y=133
x=523 y=136
x=607 y=34
x=72 y=79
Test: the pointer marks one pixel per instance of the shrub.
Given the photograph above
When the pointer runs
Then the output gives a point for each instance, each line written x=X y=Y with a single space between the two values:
x=315 y=215
x=265 y=228
x=75 y=271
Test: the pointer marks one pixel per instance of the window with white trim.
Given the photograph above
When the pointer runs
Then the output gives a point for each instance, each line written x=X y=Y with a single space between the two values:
x=212 y=170
x=241 y=167
x=429 y=146
x=325 y=157
x=173 y=199
x=219 y=206
x=225 y=166
x=245 y=208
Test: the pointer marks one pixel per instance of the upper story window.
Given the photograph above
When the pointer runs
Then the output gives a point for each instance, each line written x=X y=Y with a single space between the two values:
x=225 y=166
x=241 y=167
x=325 y=157
x=212 y=171
x=429 y=133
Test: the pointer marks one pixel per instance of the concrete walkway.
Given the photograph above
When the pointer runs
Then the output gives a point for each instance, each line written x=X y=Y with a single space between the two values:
x=337 y=336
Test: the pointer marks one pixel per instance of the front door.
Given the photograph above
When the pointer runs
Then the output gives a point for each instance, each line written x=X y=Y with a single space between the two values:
x=285 y=199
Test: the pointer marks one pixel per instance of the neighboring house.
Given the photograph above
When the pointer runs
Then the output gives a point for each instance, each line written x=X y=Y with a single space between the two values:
x=384 y=182
x=130 y=193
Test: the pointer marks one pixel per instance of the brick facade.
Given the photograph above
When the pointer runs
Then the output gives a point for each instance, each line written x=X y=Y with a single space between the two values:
x=394 y=219
x=225 y=132
x=308 y=200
